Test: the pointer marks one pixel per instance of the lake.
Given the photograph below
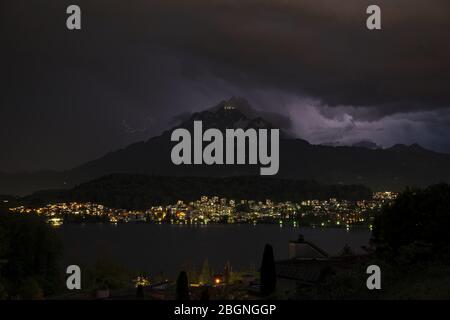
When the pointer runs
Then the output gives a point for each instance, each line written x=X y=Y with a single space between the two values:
x=167 y=248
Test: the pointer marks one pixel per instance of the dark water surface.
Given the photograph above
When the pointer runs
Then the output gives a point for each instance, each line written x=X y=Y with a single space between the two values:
x=167 y=248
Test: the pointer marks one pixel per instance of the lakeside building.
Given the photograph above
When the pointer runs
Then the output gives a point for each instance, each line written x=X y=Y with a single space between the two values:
x=308 y=265
x=321 y=213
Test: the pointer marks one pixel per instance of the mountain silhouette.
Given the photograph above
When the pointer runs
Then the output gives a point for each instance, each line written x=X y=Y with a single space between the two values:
x=366 y=144
x=380 y=169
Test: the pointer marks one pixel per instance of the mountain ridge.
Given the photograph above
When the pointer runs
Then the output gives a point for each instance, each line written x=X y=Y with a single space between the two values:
x=132 y=191
x=380 y=169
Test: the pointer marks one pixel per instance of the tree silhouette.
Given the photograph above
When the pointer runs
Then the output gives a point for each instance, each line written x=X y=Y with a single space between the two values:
x=182 y=286
x=205 y=275
x=417 y=215
x=346 y=251
x=140 y=292
x=268 y=275
x=227 y=272
x=205 y=294
x=30 y=253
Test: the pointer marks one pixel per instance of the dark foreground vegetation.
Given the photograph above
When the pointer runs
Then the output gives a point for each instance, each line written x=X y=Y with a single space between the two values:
x=29 y=257
x=30 y=262
x=411 y=239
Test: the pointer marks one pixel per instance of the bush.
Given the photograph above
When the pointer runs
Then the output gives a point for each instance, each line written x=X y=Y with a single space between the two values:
x=29 y=256
x=417 y=216
x=182 y=286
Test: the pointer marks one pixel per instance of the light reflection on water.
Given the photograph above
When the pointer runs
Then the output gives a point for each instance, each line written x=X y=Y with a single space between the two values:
x=166 y=248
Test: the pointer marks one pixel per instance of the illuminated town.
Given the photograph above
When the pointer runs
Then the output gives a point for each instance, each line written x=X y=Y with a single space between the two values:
x=207 y=210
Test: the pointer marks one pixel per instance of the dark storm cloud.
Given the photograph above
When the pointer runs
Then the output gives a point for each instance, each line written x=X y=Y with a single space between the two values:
x=320 y=49
x=68 y=97
x=339 y=125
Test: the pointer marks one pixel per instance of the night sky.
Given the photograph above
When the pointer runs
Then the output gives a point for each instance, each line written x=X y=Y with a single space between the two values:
x=137 y=66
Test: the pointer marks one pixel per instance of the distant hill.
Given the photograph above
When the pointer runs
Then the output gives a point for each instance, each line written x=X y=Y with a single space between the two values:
x=7 y=201
x=366 y=144
x=141 y=191
x=379 y=169
x=360 y=144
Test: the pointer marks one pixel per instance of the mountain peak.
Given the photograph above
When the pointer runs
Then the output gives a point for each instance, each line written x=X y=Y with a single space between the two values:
x=232 y=104
x=229 y=114
x=415 y=147
x=366 y=144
